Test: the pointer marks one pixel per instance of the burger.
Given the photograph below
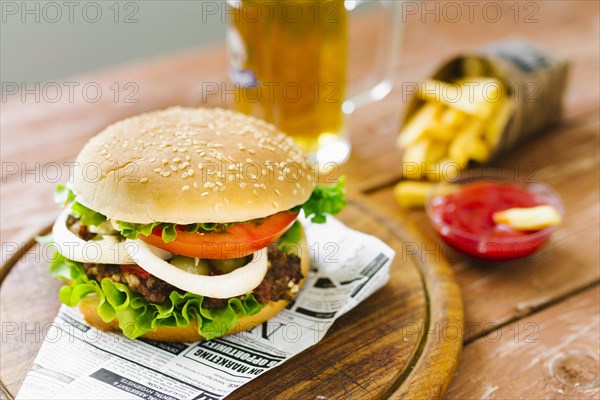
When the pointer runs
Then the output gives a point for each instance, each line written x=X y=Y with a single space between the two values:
x=182 y=224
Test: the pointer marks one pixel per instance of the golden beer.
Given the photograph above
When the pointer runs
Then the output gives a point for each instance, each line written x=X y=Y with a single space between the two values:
x=288 y=61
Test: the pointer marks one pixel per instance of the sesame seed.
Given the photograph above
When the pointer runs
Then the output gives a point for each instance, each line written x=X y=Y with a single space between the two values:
x=173 y=168
x=275 y=204
x=219 y=183
x=166 y=173
x=185 y=187
x=204 y=194
x=153 y=159
x=277 y=192
x=144 y=180
x=196 y=184
x=177 y=160
x=190 y=172
x=157 y=169
x=184 y=175
x=242 y=185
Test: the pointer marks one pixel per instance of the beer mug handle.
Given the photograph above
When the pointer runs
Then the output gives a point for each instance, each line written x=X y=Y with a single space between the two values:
x=385 y=63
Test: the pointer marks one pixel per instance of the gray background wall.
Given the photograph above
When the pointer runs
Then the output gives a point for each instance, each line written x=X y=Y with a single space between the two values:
x=51 y=40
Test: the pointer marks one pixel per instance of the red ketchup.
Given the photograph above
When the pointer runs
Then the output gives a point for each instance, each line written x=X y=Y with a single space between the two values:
x=464 y=220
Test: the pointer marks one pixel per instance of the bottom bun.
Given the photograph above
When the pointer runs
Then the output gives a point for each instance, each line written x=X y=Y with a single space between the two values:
x=89 y=305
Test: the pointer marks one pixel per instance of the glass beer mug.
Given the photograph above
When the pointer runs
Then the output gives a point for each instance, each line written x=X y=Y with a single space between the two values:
x=288 y=61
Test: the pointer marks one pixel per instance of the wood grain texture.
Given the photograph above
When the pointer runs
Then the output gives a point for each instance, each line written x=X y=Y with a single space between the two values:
x=382 y=348
x=552 y=355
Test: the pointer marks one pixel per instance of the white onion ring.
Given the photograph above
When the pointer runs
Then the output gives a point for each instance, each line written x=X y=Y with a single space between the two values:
x=108 y=250
x=236 y=283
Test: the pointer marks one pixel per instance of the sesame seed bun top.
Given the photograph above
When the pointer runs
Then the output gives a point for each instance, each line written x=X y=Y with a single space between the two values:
x=187 y=165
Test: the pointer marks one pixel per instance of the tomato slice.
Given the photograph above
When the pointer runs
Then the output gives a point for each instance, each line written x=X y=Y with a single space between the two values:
x=238 y=240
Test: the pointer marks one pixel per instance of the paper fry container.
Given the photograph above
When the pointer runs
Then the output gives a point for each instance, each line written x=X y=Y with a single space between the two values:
x=534 y=80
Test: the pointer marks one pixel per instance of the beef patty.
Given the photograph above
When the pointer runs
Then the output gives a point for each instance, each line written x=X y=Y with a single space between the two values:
x=283 y=273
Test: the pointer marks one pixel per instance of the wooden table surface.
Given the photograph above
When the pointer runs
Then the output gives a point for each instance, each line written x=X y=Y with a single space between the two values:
x=532 y=326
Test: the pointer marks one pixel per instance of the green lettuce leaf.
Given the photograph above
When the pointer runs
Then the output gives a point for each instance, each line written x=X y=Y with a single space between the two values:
x=289 y=242
x=86 y=215
x=169 y=233
x=63 y=195
x=136 y=316
x=132 y=231
x=325 y=200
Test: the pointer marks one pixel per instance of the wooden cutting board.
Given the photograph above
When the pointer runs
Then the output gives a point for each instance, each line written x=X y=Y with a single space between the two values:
x=402 y=342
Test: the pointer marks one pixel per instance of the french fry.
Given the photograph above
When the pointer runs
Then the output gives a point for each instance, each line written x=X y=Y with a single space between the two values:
x=416 y=127
x=497 y=123
x=434 y=91
x=474 y=95
x=435 y=151
x=462 y=147
x=444 y=129
x=480 y=152
x=453 y=118
x=416 y=153
x=459 y=122
x=411 y=194
x=444 y=170
x=422 y=154
x=528 y=219
x=479 y=96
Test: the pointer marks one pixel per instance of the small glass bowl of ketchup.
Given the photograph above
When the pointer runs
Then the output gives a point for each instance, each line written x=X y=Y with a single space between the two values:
x=461 y=213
